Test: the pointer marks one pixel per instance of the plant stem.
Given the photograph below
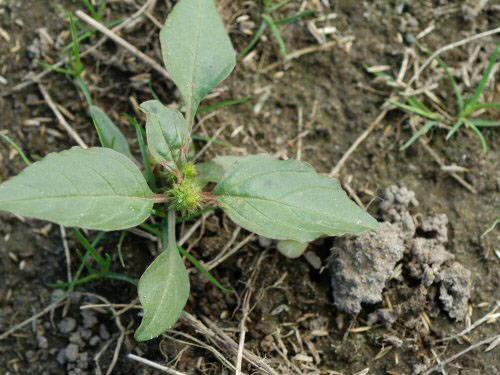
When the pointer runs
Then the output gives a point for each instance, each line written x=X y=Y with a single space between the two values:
x=172 y=241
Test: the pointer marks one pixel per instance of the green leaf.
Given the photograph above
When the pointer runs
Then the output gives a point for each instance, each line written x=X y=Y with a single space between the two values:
x=288 y=200
x=166 y=131
x=420 y=132
x=483 y=123
x=276 y=33
x=109 y=134
x=416 y=110
x=213 y=170
x=96 y=188
x=197 y=51
x=292 y=249
x=163 y=292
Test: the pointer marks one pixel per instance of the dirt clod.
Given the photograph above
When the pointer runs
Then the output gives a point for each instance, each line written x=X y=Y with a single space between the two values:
x=361 y=266
x=455 y=290
x=428 y=255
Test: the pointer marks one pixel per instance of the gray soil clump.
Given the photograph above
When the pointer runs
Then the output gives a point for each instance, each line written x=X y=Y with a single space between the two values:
x=376 y=254
x=362 y=265
x=454 y=290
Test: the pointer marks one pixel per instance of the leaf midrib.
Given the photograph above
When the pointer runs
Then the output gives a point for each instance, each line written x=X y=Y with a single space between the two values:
x=78 y=196
x=277 y=202
x=193 y=68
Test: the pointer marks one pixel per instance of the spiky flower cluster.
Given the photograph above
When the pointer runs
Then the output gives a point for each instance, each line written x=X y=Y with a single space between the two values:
x=187 y=195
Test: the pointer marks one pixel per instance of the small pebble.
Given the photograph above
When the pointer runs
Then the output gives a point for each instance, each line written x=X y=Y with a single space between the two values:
x=264 y=241
x=56 y=294
x=94 y=341
x=61 y=357
x=103 y=332
x=85 y=333
x=83 y=361
x=71 y=352
x=76 y=339
x=67 y=325
x=89 y=318
x=41 y=340
x=30 y=354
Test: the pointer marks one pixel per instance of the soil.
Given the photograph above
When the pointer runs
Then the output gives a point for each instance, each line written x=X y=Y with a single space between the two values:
x=326 y=99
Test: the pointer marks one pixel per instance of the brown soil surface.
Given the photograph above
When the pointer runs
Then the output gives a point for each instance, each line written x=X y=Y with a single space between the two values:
x=325 y=98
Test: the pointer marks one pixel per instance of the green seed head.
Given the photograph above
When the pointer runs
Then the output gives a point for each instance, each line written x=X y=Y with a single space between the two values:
x=189 y=170
x=187 y=196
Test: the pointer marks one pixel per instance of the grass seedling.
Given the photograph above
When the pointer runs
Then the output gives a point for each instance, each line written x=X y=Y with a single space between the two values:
x=492 y=228
x=270 y=21
x=104 y=189
x=467 y=106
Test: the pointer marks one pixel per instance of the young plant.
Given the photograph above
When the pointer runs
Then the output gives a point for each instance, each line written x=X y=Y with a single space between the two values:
x=467 y=106
x=102 y=188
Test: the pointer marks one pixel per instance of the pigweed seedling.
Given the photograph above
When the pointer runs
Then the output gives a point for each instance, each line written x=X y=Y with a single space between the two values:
x=468 y=107
x=103 y=189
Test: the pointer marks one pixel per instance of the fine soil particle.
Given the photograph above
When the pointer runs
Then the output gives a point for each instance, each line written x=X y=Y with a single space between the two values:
x=314 y=106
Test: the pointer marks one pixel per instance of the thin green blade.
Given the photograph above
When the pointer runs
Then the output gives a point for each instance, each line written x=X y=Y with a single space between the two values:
x=109 y=134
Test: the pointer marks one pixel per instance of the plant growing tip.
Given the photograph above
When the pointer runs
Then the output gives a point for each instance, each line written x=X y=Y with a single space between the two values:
x=102 y=188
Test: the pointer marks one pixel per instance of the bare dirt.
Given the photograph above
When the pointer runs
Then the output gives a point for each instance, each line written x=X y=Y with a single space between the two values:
x=316 y=105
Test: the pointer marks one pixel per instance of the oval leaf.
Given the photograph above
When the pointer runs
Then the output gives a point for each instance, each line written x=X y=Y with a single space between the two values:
x=288 y=200
x=166 y=131
x=163 y=292
x=96 y=188
x=197 y=51
x=292 y=249
x=109 y=134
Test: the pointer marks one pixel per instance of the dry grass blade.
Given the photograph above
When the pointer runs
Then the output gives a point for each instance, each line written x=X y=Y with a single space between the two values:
x=73 y=134
x=449 y=47
x=458 y=355
x=154 y=365
x=122 y=42
x=336 y=170
x=476 y=324
x=47 y=310
x=225 y=343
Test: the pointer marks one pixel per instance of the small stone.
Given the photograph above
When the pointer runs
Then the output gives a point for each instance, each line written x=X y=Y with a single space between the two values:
x=56 y=295
x=30 y=354
x=103 y=332
x=393 y=340
x=61 y=357
x=94 y=341
x=76 y=339
x=41 y=340
x=89 y=318
x=83 y=361
x=384 y=316
x=71 y=352
x=85 y=333
x=264 y=241
x=67 y=325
